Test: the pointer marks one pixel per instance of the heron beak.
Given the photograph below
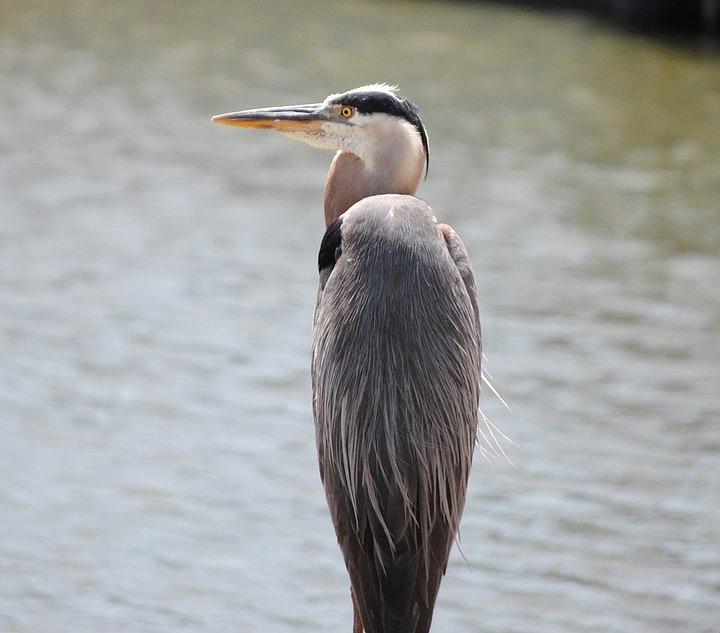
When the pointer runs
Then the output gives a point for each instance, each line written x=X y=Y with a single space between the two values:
x=299 y=118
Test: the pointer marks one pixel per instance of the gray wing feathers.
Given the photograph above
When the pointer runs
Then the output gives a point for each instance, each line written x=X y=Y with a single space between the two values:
x=396 y=375
x=462 y=262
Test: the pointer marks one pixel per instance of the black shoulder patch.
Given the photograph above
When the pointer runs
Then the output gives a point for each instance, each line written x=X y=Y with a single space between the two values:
x=331 y=246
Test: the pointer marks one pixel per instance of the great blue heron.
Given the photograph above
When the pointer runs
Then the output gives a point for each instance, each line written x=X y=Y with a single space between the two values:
x=396 y=354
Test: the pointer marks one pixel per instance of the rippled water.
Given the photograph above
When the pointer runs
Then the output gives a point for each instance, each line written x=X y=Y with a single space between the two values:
x=157 y=280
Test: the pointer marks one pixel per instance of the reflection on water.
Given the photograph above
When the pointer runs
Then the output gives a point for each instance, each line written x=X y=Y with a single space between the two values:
x=157 y=285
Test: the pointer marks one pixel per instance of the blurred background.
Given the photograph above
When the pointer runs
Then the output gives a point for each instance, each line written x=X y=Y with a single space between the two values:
x=157 y=283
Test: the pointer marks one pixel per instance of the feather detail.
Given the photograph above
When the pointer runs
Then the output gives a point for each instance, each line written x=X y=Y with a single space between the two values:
x=396 y=382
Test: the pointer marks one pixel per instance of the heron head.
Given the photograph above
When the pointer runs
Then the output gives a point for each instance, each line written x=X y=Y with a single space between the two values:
x=365 y=121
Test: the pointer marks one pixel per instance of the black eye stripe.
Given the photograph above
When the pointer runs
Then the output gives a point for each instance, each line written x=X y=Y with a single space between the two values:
x=375 y=101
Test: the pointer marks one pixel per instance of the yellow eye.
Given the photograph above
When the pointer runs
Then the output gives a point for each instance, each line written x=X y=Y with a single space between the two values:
x=346 y=112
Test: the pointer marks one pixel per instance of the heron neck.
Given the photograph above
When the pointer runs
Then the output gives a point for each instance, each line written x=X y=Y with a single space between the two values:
x=351 y=179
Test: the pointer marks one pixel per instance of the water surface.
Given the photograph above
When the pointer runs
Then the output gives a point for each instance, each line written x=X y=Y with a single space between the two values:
x=157 y=281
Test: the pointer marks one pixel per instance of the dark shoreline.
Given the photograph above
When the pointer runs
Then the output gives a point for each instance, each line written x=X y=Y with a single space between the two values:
x=670 y=16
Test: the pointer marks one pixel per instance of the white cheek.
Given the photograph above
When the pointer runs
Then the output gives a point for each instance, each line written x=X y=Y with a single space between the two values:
x=344 y=138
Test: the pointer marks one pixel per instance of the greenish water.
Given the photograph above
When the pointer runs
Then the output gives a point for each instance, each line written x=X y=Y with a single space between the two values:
x=157 y=281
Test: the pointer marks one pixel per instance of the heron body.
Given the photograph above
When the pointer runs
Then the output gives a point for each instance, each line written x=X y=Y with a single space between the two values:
x=396 y=355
